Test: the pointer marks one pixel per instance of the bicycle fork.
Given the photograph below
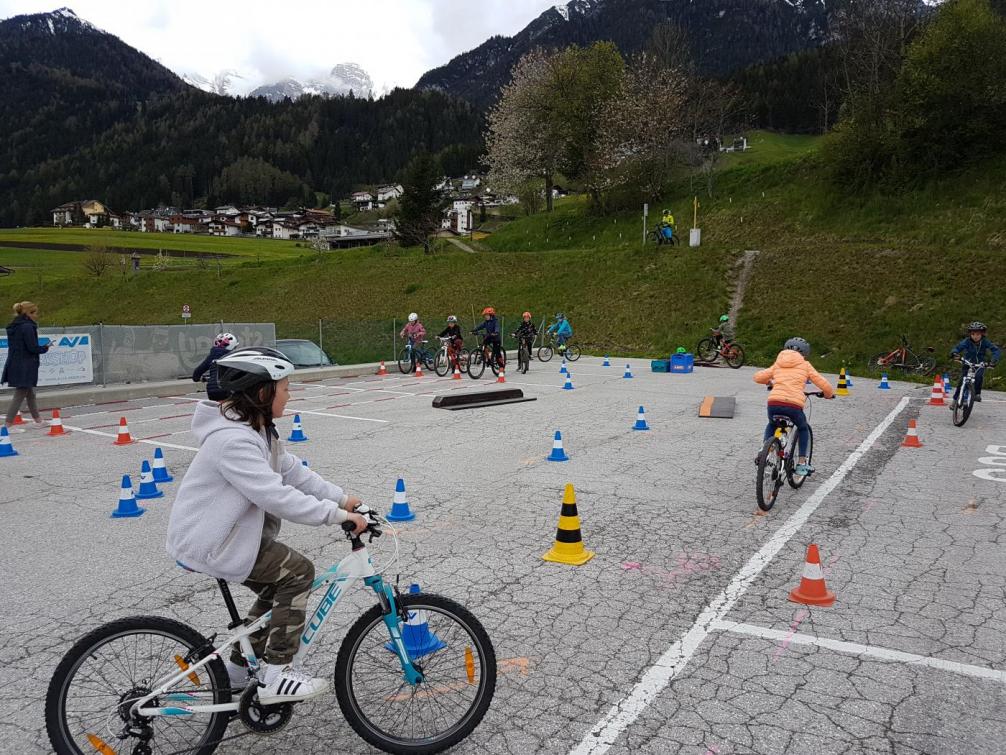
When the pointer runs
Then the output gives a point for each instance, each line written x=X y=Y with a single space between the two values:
x=392 y=611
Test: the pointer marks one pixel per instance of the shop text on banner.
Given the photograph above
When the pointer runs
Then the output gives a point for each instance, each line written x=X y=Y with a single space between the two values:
x=68 y=361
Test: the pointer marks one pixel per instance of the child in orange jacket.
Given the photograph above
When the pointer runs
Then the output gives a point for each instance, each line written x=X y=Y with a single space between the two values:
x=788 y=376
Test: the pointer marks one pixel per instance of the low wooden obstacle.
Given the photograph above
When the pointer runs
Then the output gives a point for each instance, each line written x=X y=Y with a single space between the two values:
x=479 y=399
x=721 y=407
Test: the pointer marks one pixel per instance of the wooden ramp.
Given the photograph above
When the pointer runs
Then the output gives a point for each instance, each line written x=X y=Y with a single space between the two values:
x=722 y=407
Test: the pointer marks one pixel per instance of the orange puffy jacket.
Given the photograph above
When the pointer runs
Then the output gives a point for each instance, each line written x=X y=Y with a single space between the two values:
x=789 y=376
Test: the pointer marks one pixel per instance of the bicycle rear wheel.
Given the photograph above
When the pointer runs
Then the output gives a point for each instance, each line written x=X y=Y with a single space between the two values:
x=458 y=663
x=545 y=353
x=476 y=364
x=572 y=352
x=796 y=481
x=734 y=356
x=770 y=473
x=925 y=365
x=707 y=350
x=880 y=363
x=965 y=403
x=89 y=696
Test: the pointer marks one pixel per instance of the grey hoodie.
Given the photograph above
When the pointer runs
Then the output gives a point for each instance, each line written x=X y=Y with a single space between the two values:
x=233 y=486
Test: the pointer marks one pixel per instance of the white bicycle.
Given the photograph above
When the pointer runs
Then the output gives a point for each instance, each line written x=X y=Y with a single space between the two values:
x=415 y=674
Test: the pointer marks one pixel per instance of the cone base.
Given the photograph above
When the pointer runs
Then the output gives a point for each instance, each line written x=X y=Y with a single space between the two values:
x=637 y=426
x=936 y=403
x=128 y=514
x=425 y=645
x=812 y=600
x=400 y=513
x=123 y=442
x=292 y=439
x=906 y=443
x=575 y=559
x=553 y=457
x=5 y=454
x=883 y=387
x=841 y=392
x=56 y=434
x=567 y=387
x=165 y=478
x=147 y=496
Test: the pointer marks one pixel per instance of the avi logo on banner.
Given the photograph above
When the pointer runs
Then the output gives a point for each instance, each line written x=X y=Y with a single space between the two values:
x=67 y=361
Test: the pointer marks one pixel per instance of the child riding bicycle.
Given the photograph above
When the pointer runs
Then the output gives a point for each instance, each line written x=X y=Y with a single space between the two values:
x=562 y=329
x=493 y=337
x=788 y=376
x=974 y=348
x=723 y=332
x=226 y=517
x=453 y=331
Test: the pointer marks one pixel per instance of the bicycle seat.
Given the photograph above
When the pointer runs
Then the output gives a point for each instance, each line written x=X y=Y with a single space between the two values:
x=782 y=420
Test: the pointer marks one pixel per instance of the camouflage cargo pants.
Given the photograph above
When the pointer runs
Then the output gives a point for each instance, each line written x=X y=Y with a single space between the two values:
x=282 y=580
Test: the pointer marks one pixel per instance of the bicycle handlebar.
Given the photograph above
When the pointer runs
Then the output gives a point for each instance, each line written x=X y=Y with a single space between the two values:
x=373 y=525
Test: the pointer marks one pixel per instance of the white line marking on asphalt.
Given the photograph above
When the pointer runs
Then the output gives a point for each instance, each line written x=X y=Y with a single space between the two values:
x=340 y=416
x=854 y=648
x=621 y=715
x=115 y=435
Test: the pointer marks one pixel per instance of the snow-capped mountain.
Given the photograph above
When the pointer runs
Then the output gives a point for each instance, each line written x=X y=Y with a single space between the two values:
x=222 y=82
x=339 y=82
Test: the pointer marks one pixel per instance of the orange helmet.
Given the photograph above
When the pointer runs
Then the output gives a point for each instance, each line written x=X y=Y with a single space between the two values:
x=488 y=311
x=527 y=315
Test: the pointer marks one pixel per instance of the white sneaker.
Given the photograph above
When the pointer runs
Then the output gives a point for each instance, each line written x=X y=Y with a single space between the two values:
x=238 y=675
x=285 y=684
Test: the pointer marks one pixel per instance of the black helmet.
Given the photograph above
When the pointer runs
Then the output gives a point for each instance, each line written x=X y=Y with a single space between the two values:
x=248 y=368
x=977 y=326
x=798 y=344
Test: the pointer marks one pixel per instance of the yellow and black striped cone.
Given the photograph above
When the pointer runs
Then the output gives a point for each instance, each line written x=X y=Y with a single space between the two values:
x=843 y=388
x=568 y=548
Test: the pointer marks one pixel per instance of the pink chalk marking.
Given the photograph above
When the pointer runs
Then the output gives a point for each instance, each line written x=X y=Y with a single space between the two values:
x=629 y=565
x=798 y=618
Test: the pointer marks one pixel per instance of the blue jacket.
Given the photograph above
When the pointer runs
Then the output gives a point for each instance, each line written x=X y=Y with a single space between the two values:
x=491 y=327
x=562 y=328
x=213 y=389
x=21 y=368
x=975 y=352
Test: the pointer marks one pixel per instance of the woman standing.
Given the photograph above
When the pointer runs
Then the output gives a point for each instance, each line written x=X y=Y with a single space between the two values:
x=21 y=369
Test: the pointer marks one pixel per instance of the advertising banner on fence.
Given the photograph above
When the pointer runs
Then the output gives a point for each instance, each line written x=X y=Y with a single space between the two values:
x=68 y=361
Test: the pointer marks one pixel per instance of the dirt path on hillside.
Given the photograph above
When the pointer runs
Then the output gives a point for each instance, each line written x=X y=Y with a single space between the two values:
x=747 y=267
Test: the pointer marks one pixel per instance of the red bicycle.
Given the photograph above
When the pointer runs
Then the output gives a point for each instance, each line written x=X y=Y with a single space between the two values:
x=904 y=359
x=711 y=349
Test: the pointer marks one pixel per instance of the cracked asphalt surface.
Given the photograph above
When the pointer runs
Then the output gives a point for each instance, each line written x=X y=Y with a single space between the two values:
x=911 y=543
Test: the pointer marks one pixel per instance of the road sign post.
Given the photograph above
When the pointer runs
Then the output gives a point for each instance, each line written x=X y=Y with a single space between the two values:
x=186 y=313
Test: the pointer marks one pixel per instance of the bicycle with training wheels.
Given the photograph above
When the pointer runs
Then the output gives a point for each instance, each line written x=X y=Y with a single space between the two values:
x=568 y=350
x=414 y=674
x=711 y=348
x=447 y=356
x=965 y=401
x=904 y=359
x=482 y=356
x=413 y=353
x=777 y=459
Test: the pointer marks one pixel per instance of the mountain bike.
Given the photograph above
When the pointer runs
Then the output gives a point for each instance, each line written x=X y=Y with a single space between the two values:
x=904 y=359
x=656 y=235
x=568 y=350
x=965 y=401
x=446 y=357
x=711 y=348
x=482 y=356
x=414 y=674
x=412 y=354
x=777 y=459
x=523 y=354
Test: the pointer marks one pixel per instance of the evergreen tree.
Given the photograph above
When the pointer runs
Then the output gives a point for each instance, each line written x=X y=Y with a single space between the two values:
x=420 y=206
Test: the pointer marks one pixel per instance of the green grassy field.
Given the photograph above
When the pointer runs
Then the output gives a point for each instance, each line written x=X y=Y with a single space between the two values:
x=850 y=273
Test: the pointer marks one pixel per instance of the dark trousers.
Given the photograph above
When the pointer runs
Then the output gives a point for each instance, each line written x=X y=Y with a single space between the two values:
x=797 y=417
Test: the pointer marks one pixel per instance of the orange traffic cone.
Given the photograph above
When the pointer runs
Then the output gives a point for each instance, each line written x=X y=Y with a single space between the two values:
x=502 y=376
x=124 y=438
x=382 y=370
x=56 y=425
x=812 y=590
x=911 y=437
x=457 y=373
x=419 y=369
x=936 y=397
x=18 y=419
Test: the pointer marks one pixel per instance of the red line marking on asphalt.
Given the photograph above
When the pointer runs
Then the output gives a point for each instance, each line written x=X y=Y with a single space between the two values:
x=175 y=416
x=98 y=427
x=106 y=403
x=337 y=406
x=389 y=398
x=151 y=437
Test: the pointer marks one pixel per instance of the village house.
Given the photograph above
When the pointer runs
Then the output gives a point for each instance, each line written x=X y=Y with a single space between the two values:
x=362 y=200
x=387 y=193
x=458 y=217
x=221 y=227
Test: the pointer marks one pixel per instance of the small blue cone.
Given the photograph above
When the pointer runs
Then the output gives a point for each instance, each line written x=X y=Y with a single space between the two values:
x=558 y=452
x=568 y=385
x=6 y=449
x=641 y=421
x=562 y=369
x=161 y=473
x=127 y=503
x=148 y=488
x=400 y=511
x=297 y=435
x=628 y=373
x=416 y=634
x=946 y=383
x=304 y=462
x=848 y=379
x=606 y=362
x=884 y=385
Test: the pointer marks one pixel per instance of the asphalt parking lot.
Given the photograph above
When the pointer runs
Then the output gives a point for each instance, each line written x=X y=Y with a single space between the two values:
x=677 y=637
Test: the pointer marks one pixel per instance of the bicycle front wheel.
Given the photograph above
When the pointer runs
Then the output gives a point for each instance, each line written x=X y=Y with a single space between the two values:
x=796 y=481
x=965 y=403
x=458 y=663
x=89 y=698
x=442 y=363
x=499 y=364
x=476 y=364
x=405 y=363
x=523 y=359
x=544 y=353
x=707 y=350
x=770 y=473
x=572 y=352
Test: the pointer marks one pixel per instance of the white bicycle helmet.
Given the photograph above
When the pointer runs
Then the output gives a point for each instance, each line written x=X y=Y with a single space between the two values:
x=413 y=317
x=251 y=367
x=228 y=340
x=451 y=318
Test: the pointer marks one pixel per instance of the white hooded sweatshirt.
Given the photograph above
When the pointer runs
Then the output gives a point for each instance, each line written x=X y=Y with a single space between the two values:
x=234 y=481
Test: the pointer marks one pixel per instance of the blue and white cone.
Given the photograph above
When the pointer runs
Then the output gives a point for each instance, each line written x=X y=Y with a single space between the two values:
x=148 y=488
x=628 y=373
x=641 y=421
x=6 y=449
x=400 y=511
x=563 y=370
x=297 y=434
x=416 y=634
x=568 y=385
x=848 y=379
x=304 y=462
x=947 y=387
x=558 y=452
x=161 y=473
x=127 y=502
x=606 y=362
x=884 y=385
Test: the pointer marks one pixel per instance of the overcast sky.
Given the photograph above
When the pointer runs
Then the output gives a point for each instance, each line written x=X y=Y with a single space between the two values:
x=396 y=41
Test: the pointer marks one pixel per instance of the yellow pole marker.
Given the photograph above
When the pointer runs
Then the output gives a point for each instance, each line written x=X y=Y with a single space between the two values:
x=470 y=665
x=193 y=676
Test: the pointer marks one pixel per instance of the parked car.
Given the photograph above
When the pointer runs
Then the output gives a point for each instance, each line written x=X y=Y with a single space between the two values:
x=303 y=353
